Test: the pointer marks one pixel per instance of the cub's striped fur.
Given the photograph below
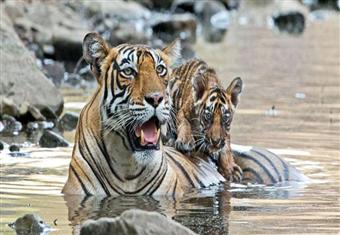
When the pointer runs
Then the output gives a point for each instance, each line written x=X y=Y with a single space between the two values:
x=204 y=111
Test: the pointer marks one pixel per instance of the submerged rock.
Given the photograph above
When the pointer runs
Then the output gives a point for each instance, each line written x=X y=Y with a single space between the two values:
x=69 y=121
x=14 y=148
x=30 y=224
x=134 y=222
x=50 y=139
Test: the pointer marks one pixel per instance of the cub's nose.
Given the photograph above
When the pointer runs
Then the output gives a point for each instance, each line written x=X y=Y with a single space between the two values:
x=154 y=99
x=219 y=143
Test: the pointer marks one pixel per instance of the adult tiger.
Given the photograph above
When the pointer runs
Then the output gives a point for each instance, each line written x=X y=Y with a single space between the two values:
x=117 y=146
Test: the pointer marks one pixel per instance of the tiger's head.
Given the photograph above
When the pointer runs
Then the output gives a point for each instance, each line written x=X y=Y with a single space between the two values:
x=215 y=107
x=133 y=80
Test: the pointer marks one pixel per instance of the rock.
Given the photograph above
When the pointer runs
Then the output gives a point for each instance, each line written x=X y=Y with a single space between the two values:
x=10 y=125
x=170 y=27
x=183 y=6
x=50 y=139
x=30 y=224
x=8 y=106
x=122 y=10
x=55 y=71
x=14 y=148
x=49 y=23
x=214 y=18
x=69 y=121
x=2 y=145
x=322 y=4
x=134 y=222
x=32 y=126
x=46 y=125
x=157 y=4
x=231 y=4
x=48 y=113
x=128 y=33
x=292 y=22
x=29 y=113
x=20 y=76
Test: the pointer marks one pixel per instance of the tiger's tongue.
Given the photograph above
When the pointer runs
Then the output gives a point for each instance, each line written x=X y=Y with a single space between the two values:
x=149 y=129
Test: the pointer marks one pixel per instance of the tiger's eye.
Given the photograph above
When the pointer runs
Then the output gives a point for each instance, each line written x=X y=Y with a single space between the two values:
x=161 y=70
x=128 y=71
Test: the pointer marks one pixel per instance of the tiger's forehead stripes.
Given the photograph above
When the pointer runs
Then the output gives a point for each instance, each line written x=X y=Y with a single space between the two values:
x=133 y=55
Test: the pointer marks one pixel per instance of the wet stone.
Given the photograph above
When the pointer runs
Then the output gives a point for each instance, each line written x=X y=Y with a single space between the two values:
x=2 y=146
x=134 y=222
x=69 y=121
x=290 y=22
x=48 y=113
x=50 y=139
x=14 y=148
x=30 y=224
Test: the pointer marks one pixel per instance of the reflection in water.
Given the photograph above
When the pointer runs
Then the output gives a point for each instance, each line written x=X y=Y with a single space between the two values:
x=204 y=212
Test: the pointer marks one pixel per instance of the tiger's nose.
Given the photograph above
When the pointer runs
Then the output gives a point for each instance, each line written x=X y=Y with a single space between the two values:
x=154 y=99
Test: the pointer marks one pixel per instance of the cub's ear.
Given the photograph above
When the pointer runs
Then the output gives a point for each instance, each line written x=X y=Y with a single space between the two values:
x=95 y=49
x=173 y=50
x=199 y=85
x=234 y=90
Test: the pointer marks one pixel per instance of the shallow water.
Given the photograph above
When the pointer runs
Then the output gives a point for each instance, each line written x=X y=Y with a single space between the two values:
x=306 y=132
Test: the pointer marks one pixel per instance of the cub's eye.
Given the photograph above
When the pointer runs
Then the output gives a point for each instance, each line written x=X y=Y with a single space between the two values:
x=207 y=115
x=161 y=70
x=128 y=71
x=226 y=117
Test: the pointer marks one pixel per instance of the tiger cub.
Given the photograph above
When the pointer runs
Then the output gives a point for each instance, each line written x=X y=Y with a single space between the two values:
x=204 y=111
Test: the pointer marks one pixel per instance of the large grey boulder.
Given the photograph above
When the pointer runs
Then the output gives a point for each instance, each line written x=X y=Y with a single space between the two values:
x=135 y=222
x=21 y=80
x=49 y=24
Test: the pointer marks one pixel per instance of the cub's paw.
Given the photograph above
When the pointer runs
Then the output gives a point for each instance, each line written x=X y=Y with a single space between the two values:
x=233 y=173
x=185 y=145
x=237 y=174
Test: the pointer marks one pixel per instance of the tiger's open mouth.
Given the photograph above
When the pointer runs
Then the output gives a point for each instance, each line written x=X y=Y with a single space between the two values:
x=146 y=136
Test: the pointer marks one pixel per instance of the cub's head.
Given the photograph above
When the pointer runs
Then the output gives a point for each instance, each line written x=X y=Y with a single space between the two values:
x=133 y=81
x=215 y=107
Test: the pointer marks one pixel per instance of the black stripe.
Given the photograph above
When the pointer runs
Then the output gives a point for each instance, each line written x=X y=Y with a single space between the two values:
x=285 y=165
x=87 y=177
x=270 y=162
x=183 y=170
x=132 y=177
x=159 y=183
x=258 y=177
x=174 y=190
x=80 y=181
x=259 y=164
x=104 y=152
x=90 y=165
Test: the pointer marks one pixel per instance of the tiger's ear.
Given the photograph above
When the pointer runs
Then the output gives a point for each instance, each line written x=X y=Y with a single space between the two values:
x=234 y=90
x=95 y=49
x=199 y=85
x=173 y=50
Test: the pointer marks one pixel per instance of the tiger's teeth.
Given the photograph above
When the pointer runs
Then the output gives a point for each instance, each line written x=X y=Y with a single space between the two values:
x=142 y=141
x=158 y=133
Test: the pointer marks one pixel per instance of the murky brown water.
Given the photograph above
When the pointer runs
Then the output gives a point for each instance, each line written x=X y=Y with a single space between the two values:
x=306 y=131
